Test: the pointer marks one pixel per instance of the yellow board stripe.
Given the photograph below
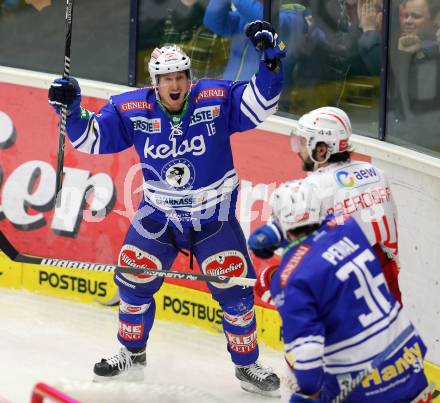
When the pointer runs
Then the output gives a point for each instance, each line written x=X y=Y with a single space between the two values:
x=174 y=303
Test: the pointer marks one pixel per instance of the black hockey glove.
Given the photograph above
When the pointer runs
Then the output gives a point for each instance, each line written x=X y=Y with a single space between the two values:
x=266 y=253
x=266 y=40
x=66 y=93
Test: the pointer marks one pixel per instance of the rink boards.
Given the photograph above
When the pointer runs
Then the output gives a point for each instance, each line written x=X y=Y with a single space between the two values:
x=173 y=302
x=263 y=160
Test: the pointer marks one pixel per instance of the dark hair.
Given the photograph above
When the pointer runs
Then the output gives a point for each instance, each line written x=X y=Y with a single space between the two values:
x=305 y=229
x=337 y=157
x=340 y=157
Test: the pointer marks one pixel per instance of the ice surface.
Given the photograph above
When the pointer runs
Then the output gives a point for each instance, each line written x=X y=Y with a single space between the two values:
x=43 y=339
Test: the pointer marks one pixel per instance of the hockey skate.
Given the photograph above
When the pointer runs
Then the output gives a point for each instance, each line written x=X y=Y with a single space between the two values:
x=125 y=365
x=258 y=379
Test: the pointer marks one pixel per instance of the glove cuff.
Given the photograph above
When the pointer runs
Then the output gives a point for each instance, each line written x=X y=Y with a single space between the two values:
x=276 y=230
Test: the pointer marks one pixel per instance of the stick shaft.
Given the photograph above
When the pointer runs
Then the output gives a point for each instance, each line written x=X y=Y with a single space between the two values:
x=16 y=256
x=63 y=115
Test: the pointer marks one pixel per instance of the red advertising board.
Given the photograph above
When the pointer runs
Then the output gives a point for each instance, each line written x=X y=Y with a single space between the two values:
x=91 y=225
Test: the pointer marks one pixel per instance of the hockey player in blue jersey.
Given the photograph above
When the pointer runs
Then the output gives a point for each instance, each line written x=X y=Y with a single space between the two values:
x=337 y=312
x=181 y=131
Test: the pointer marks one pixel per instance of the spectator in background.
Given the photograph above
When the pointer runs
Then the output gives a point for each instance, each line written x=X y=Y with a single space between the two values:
x=338 y=19
x=369 y=14
x=414 y=84
x=418 y=29
x=323 y=77
x=307 y=42
x=168 y=21
x=9 y=6
x=229 y=18
x=39 y=4
x=181 y=22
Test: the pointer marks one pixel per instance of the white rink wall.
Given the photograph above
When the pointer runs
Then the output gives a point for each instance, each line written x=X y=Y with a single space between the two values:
x=417 y=197
x=415 y=182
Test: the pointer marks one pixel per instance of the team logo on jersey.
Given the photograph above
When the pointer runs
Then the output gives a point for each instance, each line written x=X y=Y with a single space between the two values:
x=357 y=177
x=345 y=179
x=146 y=125
x=205 y=114
x=179 y=173
x=195 y=146
x=210 y=93
x=84 y=113
x=409 y=359
x=131 y=255
x=135 y=106
x=230 y=263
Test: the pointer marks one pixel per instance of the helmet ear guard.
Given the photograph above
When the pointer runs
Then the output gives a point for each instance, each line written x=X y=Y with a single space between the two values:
x=168 y=59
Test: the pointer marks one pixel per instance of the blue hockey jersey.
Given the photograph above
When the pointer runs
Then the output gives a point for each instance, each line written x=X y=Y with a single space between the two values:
x=338 y=315
x=187 y=163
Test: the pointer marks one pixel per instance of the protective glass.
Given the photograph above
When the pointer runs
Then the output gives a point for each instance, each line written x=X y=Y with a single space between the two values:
x=296 y=141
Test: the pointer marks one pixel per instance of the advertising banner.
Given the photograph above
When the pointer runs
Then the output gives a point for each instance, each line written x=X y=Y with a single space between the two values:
x=10 y=273
x=101 y=192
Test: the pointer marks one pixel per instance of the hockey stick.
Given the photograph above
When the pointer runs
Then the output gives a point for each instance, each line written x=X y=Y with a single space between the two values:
x=16 y=256
x=63 y=116
x=424 y=395
x=267 y=10
x=378 y=360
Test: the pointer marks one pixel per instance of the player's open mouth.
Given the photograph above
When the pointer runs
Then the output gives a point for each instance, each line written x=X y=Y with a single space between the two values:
x=175 y=96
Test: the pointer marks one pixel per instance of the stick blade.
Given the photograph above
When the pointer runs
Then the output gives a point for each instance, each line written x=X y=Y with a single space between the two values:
x=7 y=247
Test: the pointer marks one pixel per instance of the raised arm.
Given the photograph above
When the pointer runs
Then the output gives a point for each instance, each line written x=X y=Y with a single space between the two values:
x=103 y=133
x=254 y=101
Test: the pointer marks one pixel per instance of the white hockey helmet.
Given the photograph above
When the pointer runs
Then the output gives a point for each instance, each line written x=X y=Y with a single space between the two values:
x=168 y=59
x=328 y=125
x=295 y=204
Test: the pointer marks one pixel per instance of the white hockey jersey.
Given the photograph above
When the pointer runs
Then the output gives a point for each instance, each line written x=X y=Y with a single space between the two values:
x=360 y=189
